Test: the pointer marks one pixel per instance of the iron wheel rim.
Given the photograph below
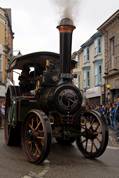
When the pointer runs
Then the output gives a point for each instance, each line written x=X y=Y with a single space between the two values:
x=36 y=136
x=93 y=135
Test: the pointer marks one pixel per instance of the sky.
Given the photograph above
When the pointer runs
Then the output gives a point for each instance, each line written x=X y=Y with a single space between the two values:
x=34 y=22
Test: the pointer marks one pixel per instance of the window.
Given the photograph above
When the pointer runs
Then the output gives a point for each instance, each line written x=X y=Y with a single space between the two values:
x=86 y=80
x=86 y=54
x=112 y=51
x=98 y=74
x=98 y=49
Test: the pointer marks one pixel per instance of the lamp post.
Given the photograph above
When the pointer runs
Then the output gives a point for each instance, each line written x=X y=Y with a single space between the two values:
x=107 y=88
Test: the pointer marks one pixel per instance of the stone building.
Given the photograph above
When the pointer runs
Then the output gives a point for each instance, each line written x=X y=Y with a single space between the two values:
x=78 y=56
x=110 y=30
x=6 y=46
x=90 y=69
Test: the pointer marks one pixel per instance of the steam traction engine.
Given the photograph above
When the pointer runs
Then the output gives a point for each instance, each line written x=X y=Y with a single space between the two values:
x=47 y=104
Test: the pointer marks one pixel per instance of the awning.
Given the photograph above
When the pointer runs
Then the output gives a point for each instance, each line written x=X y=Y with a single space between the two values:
x=93 y=92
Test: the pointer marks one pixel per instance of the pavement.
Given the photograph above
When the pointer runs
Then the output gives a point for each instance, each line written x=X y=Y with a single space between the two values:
x=113 y=140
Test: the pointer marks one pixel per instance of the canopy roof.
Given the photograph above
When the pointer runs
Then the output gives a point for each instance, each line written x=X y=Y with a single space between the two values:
x=37 y=58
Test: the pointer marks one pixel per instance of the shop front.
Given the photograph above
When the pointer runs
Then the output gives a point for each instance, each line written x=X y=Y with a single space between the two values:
x=94 y=95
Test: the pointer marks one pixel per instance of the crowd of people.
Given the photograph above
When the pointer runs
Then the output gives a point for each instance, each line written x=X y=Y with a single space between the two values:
x=110 y=111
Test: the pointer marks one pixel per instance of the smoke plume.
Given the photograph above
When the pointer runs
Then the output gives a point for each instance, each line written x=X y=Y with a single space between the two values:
x=67 y=8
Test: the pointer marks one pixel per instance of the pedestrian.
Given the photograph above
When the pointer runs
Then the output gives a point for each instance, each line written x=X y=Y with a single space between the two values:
x=101 y=109
x=107 y=114
x=112 y=116
x=2 y=113
x=117 y=117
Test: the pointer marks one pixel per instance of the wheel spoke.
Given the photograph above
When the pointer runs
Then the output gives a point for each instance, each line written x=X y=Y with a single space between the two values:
x=98 y=140
x=38 y=137
x=99 y=133
x=32 y=120
x=97 y=127
x=92 y=122
x=92 y=146
x=86 y=144
x=29 y=144
x=83 y=126
x=37 y=151
x=95 y=146
x=38 y=124
x=83 y=133
x=28 y=141
x=30 y=126
x=83 y=141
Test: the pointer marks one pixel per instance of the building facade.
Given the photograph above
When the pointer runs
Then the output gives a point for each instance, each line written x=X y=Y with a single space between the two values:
x=110 y=30
x=6 y=46
x=78 y=56
x=90 y=69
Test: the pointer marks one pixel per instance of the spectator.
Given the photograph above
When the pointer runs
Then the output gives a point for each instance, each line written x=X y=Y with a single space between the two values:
x=2 y=114
x=101 y=109
x=112 y=116
x=107 y=114
x=117 y=116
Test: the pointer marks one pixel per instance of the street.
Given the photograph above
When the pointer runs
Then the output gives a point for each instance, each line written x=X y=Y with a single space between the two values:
x=12 y=161
x=69 y=163
x=63 y=162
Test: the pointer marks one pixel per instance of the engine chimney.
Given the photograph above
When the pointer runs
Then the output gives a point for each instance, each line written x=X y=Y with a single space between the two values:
x=66 y=28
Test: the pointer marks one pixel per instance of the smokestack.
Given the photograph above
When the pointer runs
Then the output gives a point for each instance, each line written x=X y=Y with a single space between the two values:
x=66 y=28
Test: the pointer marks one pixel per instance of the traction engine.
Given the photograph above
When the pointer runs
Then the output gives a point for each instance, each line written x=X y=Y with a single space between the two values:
x=47 y=104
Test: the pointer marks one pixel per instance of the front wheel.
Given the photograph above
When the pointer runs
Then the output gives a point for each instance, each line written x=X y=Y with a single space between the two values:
x=93 y=138
x=36 y=136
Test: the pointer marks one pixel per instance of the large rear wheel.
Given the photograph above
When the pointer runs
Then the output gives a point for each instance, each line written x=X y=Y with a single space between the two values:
x=36 y=136
x=11 y=133
x=93 y=138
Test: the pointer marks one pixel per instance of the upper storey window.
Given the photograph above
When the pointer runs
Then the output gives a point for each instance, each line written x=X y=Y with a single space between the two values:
x=86 y=78
x=98 y=74
x=98 y=48
x=112 y=51
x=86 y=54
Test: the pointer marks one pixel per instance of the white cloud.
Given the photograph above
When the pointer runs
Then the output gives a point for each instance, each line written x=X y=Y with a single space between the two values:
x=34 y=22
